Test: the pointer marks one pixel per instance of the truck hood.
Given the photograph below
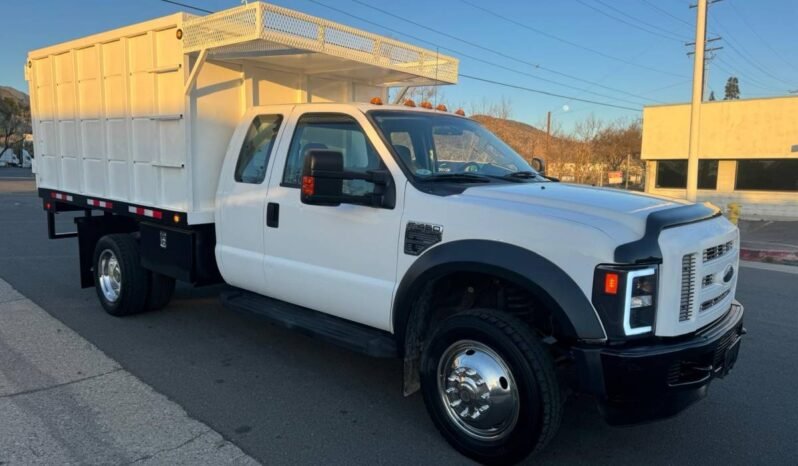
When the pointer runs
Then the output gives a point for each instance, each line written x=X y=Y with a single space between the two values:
x=599 y=207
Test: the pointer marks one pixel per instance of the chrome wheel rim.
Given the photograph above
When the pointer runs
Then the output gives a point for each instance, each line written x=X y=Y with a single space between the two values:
x=110 y=275
x=478 y=390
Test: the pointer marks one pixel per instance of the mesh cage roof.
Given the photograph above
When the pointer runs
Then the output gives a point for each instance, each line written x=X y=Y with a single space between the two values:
x=265 y=32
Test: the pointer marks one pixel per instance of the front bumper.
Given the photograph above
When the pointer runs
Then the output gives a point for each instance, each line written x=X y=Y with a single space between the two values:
x=645 y=383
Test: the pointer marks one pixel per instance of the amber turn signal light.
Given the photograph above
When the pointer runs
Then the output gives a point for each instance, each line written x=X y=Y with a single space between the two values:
x=611 y=283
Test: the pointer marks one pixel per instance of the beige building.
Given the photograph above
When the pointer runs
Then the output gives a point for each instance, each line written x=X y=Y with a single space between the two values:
x=748 y=151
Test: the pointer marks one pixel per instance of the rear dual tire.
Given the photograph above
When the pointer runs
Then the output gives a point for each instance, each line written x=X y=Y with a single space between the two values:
x=123 y=286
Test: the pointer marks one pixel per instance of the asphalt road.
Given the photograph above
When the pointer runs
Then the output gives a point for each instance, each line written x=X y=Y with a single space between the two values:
x=285 y=398
x=15 y=173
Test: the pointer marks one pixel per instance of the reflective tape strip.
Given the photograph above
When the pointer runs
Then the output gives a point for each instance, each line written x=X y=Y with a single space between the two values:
x=146 y=212
x=61 y=197
x=101 y=204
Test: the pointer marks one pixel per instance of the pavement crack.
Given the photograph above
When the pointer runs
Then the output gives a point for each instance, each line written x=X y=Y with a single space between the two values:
x=166 y=450
x=15 y=300
x=50 y=387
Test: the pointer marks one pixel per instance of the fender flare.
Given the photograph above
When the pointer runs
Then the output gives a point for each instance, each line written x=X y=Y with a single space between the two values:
x=520 y=266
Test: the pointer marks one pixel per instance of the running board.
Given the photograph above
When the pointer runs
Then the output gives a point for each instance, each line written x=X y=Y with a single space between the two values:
x=341 y=332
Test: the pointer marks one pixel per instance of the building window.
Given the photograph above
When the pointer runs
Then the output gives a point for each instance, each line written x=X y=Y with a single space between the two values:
x=673 y=174
x=708 y=174
x=767 y=175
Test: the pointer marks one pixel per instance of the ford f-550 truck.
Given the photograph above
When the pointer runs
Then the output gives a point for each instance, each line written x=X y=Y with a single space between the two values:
x=246 y=147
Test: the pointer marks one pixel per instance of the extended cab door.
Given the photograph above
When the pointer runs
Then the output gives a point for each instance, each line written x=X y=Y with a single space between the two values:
x=341 y=259
x=241 y=210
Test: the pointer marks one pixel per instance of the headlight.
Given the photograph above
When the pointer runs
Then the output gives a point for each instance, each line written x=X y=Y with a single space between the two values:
x=626 y=299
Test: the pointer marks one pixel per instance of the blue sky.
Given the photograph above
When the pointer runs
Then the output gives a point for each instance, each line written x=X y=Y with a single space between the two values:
x=637 y=55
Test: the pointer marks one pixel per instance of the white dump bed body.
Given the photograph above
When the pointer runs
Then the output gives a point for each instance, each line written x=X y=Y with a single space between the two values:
x=143 y=114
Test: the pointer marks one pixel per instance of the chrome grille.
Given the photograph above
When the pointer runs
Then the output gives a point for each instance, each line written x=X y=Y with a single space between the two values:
x=712 y=302
x=688 y=287
x=717 y=251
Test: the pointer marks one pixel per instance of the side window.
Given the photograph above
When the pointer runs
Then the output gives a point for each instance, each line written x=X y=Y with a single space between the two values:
x=258 y=143
x=334 y=132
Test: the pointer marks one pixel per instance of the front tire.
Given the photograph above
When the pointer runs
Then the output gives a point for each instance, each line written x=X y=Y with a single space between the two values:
x=490 y=386
x=121 y=282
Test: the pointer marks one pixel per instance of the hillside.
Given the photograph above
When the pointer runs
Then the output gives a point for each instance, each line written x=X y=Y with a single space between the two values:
x=12 y=93
x=523 y=138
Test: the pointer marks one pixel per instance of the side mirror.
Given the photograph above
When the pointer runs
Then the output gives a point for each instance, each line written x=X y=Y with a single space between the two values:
x=322 y=178
x=539 y=165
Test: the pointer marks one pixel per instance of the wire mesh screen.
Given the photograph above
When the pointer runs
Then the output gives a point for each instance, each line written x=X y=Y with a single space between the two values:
x=266 y=25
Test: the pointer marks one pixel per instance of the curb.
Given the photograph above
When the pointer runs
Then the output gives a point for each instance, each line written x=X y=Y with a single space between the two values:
x=769 y=256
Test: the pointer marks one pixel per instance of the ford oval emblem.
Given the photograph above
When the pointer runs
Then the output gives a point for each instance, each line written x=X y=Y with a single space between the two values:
x=728 y=274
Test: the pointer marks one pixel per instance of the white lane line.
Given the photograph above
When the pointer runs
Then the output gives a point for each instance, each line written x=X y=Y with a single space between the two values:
x=770 y=267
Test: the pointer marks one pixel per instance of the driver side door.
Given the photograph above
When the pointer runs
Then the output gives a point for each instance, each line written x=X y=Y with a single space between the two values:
x=342 y=259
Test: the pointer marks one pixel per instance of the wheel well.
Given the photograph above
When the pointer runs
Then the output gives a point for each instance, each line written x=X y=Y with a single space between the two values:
x=459 y=291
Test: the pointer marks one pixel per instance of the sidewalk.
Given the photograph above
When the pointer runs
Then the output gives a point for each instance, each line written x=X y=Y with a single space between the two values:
x=769 y=241
x=62 y=401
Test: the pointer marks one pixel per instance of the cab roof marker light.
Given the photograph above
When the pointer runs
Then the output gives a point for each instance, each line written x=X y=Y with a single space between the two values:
x=409 y=103
x=376 y=101
x=426 y=104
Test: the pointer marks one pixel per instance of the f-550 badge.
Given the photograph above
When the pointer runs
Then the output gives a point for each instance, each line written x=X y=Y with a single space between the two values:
x=420 y=236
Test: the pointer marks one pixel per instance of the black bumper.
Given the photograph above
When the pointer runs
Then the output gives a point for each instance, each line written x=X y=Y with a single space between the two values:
x=645 y=383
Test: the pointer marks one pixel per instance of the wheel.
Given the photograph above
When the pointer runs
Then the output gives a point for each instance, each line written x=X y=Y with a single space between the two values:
x=490 y=386
x=161 y=290
x=121 y=282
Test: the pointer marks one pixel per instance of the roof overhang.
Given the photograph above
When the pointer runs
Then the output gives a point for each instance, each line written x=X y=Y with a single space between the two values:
x=286 y=39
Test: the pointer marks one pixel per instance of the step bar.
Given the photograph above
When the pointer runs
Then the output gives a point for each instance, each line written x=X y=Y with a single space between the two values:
x=341 y=332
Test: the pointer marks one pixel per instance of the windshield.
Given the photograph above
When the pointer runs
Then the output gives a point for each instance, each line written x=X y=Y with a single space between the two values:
x=445 y=146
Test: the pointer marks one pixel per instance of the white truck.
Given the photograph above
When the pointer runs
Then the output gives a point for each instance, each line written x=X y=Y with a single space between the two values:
x=245 y=146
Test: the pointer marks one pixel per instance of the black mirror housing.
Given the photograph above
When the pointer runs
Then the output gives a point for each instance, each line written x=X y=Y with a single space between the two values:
x=322 y=178
x=322 y=182
x=539 y=165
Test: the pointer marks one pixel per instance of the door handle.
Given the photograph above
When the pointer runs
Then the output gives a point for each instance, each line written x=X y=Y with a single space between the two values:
x=272 y=215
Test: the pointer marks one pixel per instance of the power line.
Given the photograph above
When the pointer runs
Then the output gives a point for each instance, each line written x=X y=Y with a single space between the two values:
x=481 y=60
x=733 y=70
x=568 y=42
x=621 y=20
x=747 y=57
x=188 y=6
x=502 y=54
x=635 y=19
x=552 y=94
x=667 y=13
x=669 y=86
x=761 y=39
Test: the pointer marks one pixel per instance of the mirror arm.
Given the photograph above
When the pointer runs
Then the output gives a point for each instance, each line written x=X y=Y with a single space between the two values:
x=378 y=177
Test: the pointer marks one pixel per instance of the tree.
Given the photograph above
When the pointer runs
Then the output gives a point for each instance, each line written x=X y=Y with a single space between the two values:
x=712 y=96
x=502 y=109
x=616 y=141
x=13 y=120
x=732 y=89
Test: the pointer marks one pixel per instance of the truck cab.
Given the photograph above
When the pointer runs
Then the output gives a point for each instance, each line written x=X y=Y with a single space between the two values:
x=241 y=148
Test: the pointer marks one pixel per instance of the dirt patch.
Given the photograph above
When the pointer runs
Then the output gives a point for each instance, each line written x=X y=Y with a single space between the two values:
x=17 y=186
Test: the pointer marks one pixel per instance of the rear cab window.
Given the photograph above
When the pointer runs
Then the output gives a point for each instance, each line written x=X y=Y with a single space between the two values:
x=253 y=159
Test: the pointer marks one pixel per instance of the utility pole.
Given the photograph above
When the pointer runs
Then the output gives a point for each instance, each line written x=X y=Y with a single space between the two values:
x=628 y=167
x=697 y=100
x=548 y=131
